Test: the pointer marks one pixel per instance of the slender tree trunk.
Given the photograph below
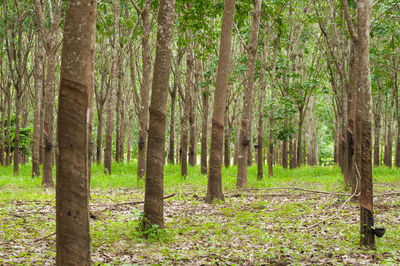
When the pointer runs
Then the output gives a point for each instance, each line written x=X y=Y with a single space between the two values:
x=186 y=112
x=193 y=118
x=118 y=121
x=248 y=100
x=99 y=139
x=285 y=154
x=312 y=136
x=214 y=186
x=236 y=144
x=227 y=140
x=8 y=137
x=114 y=84
x=72 y=190
x=154 y=187
x=17 y=125
x=144 y=91
x=129 y=144
x=2 y=135
x=171 y=145
x=378 y=125
x=204 y=133
x=387 y=159
x=48 y=128
x=38 y=75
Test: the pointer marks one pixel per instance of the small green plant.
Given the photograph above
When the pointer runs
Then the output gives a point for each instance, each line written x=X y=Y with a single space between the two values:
x=150 y=232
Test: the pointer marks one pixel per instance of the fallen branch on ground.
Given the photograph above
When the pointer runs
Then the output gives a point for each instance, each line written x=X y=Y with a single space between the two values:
x=296 y=188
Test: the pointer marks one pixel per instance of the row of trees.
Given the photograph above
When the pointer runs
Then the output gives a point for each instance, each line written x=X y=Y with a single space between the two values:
x=303 y=64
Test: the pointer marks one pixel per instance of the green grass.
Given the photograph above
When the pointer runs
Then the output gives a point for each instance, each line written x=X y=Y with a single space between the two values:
x=252 y=226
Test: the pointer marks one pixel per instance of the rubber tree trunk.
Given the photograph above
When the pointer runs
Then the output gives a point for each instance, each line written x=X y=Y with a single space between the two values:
x=204 y=133
x=2 y=135
x=154 y=186
x=171 y=146
x=16 y=134
x=214 y=185
x=285 y=154
x=193 y=118
x=387 y=158
x=248 y=100
x=144 y=91
x=227 y=140
x=114 y=84
x=38 y=76
x=99 y=139
x=377 y=125
x=72 y=190
x=8 y=137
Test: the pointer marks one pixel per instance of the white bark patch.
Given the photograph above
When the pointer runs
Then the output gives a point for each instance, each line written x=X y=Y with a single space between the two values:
x=87 y=115
x=360 y=4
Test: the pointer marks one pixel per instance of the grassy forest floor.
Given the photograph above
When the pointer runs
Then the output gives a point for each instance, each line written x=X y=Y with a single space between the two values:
x=258 y=225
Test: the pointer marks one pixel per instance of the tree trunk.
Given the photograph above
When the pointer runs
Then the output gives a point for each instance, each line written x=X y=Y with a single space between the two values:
x=312 y=156
x=204 y=133
x=8 y=137
x=129 y=144
x=99 y=139
x=48 y=128
x=114 y=84
x=193 y=118
x=2 y=135
x=248 y=100
x=16 y=134
x=363 y=154
x=285 y=154
x=72 y=190
x=154 y=187
x=144 y=91
x=377 y=124
x=171 y=146
x=214 y=186
x=387 y=158
x=227 y=140
x=38 y=75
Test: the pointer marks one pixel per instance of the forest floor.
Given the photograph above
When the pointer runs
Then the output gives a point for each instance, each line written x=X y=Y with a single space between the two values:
x=299 y=216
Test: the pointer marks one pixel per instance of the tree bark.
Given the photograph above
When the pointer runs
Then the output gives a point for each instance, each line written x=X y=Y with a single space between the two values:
x=214 y=186
x=38 y=76
x=72 y=190
x=193 y=117
x=248 y=100
x=377 y=124
x=114 y=84
x=186 y=111
x=285 y=154
x=144 y=91
x=154 y=187
x=204 y=133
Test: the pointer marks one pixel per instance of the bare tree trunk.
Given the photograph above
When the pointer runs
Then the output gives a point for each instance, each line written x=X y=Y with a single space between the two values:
x=129 y=144
x=8 y=133
x=248 y=100
x=193 y=118
x=285 y=154
x=377 y=123
x=186 y=111
x=214 y=186
x=2 y=135
x=227 y=140
x=171 y=146
x=114 y=84
x=154 y=187
x=312 y=158
x=38 y=75
x=17 y=125
x=204 y=133
x=144 y=91
x=72 y=191
x=99 y=139
x=387 y=158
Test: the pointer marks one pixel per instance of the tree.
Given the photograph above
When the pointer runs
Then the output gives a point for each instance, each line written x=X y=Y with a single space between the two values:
x=214 y=187
x=248 y=99
x=363 y=160
x=49 y=39
x=154 y=184
x=76 y=89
